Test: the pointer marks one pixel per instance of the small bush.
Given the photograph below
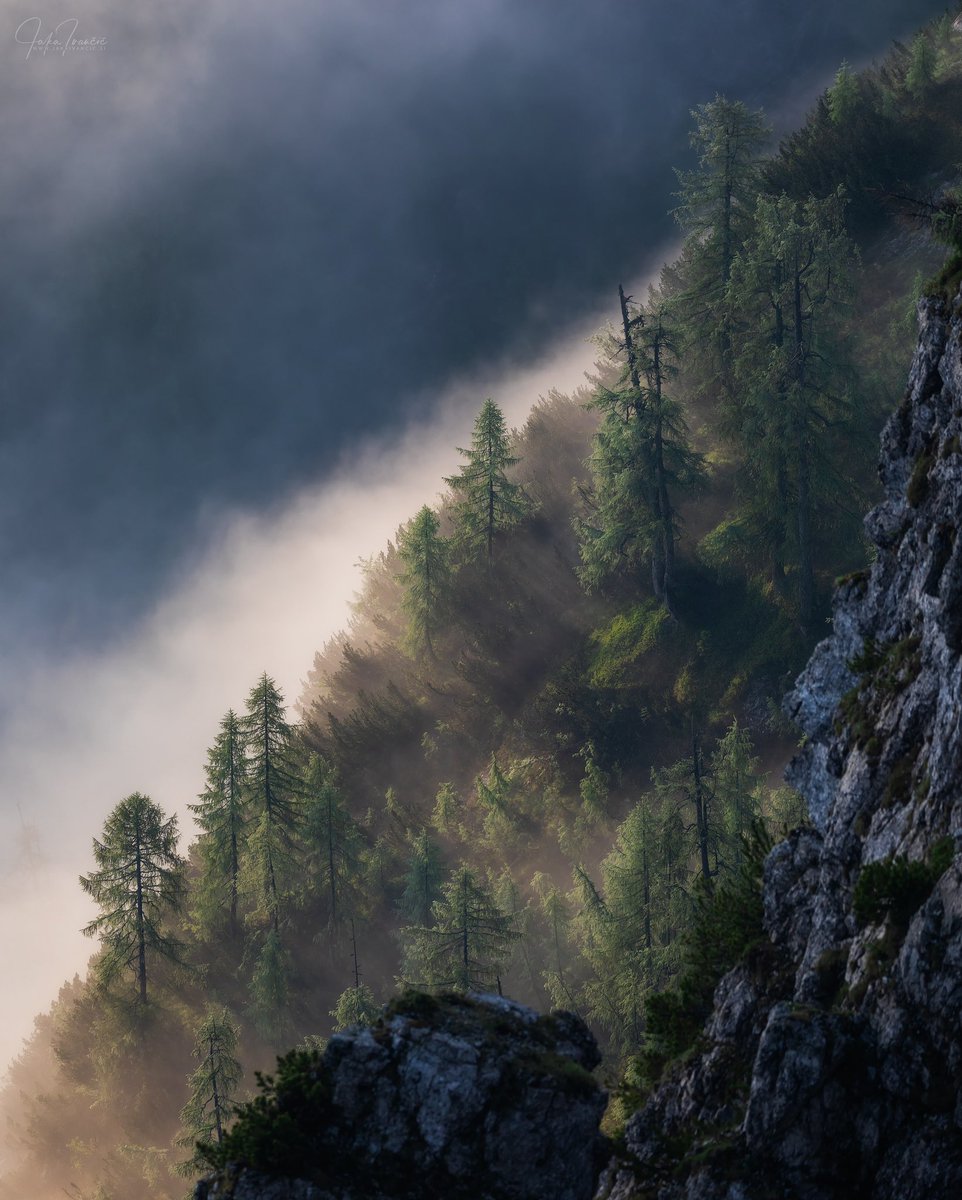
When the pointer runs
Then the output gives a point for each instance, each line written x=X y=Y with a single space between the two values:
x=280 y=1131
x=897 y=888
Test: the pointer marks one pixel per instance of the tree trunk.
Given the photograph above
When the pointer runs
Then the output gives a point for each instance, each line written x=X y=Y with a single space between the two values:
x=330 y=855
x=806 y=583
x=216 y=1096
x=234 y=853
x=141 y=932
x=701 y=811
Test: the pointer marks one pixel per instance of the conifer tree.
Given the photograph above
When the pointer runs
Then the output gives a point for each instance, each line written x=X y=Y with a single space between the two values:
x=213 y=1086
x=273 y=795
x=843 y=96
x=496 y=797
x=270 y=988
x=736 y=788
x=222 y=819
x=789 y=290
x=426 y=579
x=558 y=954
x=138 y=883
x=466 y=946
x=422 y=880
x=355 y=1005
x=487 y=501
x=716 y=212
x=642 y=463
x=331 y=838
x=921 y=72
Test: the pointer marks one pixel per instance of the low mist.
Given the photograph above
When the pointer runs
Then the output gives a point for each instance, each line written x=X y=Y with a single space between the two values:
x=264 y=594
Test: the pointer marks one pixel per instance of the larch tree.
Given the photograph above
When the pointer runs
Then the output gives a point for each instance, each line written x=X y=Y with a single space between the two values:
x=486 y=500
x=138 y=883
x=221 y=815
x=715 y=212
x=736 y=786
x=331 y=839
x=789 y=292
x=466 y=946
x=356 y=1005
x=426 y=579
x=843 y=96
x=558 y=953
x=273 y=792
x=642 y=463
x=422 y=879
x=922 y=64
x=270 y=989
x=213 y=1087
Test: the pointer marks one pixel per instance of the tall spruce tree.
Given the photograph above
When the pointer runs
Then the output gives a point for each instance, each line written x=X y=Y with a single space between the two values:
x=221 y=815
x=486 y=500
x=139 y=882
x=274 y=797
x=213 y=1087
x=426 y=579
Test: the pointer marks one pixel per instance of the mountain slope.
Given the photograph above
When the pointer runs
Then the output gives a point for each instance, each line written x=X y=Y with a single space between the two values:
x=832 y=1061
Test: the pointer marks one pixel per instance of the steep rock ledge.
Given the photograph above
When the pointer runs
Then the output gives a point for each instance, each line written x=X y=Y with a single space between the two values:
x=832 y=1063
x=460 y=1097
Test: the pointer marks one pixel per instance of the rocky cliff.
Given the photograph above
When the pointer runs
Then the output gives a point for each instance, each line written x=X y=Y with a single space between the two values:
x=460 y=1098
x=832 y=1063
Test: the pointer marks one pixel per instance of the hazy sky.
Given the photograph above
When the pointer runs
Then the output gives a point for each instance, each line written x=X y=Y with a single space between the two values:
x=259 y=266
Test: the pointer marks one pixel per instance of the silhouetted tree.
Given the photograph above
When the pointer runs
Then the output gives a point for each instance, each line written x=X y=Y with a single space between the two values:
x=138 y=883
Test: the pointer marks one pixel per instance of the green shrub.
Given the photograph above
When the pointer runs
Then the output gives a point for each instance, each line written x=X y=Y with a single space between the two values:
x=897 y=888
x=281 y=1130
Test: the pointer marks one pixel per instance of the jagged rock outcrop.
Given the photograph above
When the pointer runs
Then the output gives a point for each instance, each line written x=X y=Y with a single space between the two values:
x=832 y=1064
x=451 y=1097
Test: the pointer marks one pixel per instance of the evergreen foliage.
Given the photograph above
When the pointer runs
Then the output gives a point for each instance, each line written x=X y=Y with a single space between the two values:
x=485 y=716
x=279 y=1131
x=331 y=840
x=487 y=502
x=790 y=287
x=466 y=946
x=213 y=1086
x=642 y=463
x=138 y=885
x=356 y=1005
x=222 y=820
x=426 y=579
x=273 y=795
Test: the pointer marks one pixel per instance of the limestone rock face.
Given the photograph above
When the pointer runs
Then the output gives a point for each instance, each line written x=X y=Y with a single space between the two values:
x=837 y=1071
x=455 y=1097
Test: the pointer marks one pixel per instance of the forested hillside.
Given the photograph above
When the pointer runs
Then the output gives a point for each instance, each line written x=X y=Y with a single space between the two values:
x=552 y=730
